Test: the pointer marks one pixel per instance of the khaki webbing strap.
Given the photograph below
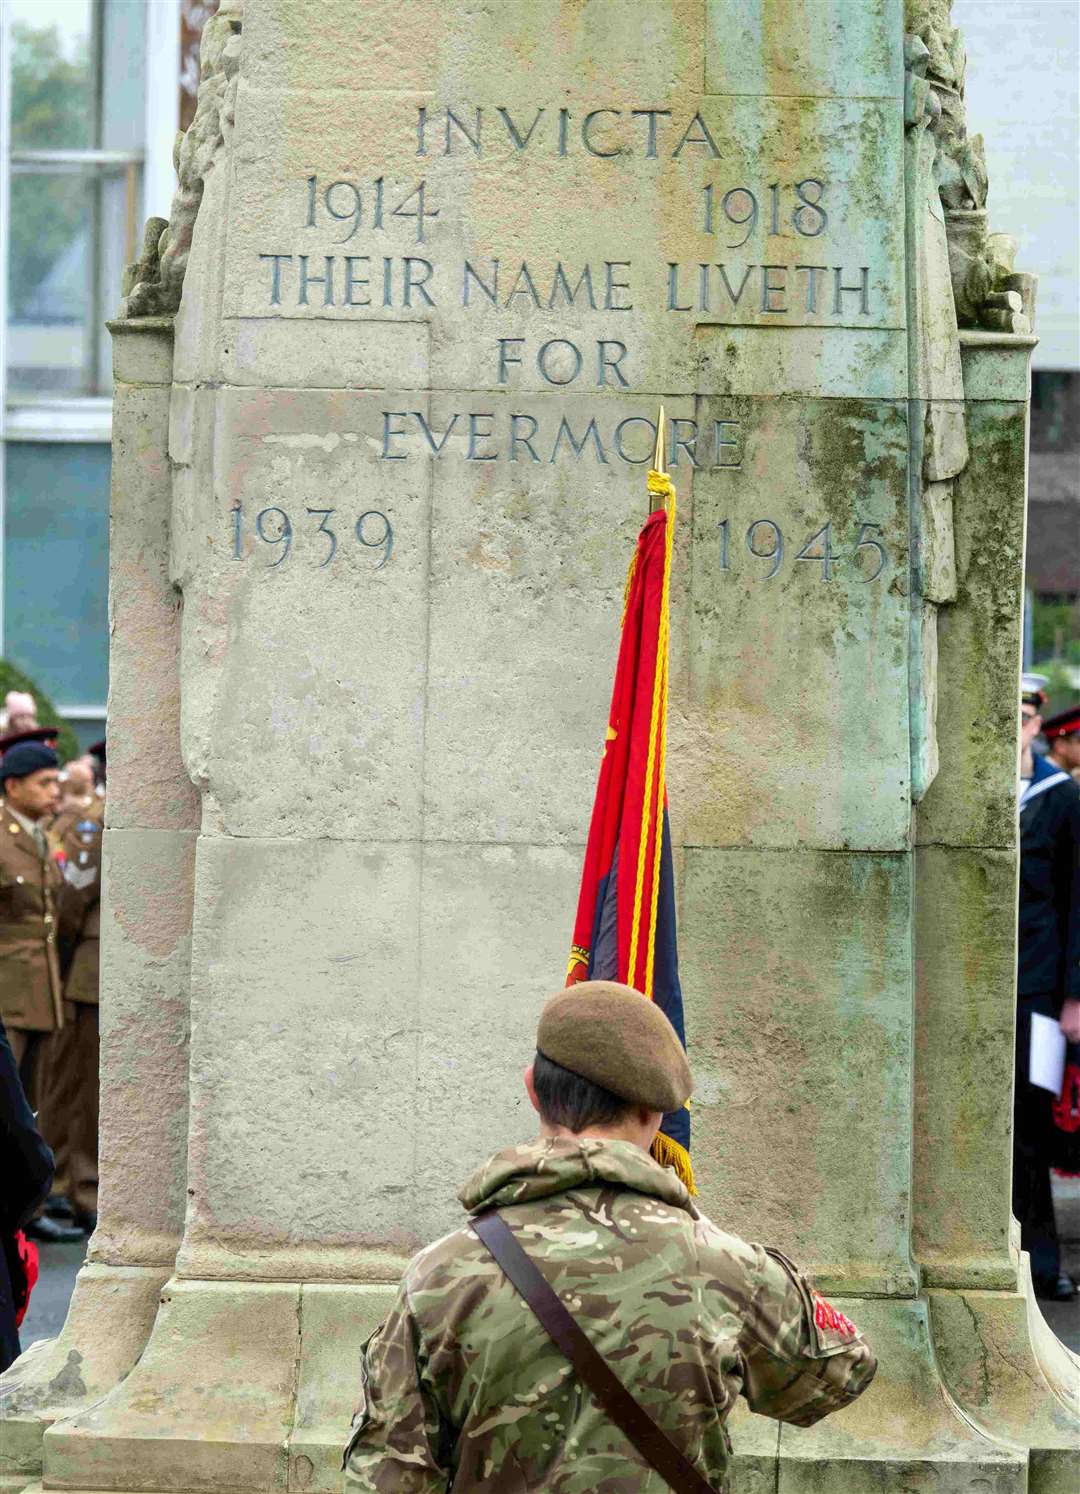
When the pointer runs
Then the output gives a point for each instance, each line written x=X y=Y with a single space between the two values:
x=591 y=1367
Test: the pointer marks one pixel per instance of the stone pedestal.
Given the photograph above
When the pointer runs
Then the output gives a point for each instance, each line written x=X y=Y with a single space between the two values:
x=151 y=821
x=438 y=266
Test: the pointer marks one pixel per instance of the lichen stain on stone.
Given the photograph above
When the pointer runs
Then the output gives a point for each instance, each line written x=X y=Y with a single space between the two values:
x=69 y=1382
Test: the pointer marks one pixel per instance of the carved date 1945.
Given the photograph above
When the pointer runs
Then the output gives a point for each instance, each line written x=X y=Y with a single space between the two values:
x=764 y=540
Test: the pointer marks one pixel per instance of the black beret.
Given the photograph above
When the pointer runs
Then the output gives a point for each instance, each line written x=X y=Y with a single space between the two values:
x=620 y=1040
x=26 y=758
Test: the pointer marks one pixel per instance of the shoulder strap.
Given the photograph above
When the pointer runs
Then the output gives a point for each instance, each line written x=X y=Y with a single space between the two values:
x=591 y=1367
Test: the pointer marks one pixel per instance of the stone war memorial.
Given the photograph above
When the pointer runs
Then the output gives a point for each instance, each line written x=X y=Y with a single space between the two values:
x=386 y=392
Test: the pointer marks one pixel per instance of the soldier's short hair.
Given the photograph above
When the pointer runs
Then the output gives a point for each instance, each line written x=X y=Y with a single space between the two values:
x=568 y=1099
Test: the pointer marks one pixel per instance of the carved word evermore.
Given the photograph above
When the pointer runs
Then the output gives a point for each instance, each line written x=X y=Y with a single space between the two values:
x=484 y=436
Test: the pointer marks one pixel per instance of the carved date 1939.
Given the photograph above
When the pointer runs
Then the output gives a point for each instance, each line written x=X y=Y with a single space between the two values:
x=274 y=528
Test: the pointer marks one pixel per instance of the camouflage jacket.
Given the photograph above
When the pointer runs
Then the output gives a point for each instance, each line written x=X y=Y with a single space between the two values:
x=461 y=1389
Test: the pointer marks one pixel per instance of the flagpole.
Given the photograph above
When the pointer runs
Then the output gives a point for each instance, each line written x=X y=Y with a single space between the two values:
x=656 y=500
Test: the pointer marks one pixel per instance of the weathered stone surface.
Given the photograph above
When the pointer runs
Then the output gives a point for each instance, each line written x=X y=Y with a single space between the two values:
x=786 y=669
x=903 y=1433
x=299 y=947
x=334 y=1323
x=973 y=800
x=112 y=1313
x=964 y=1021
x=1002 y=1382
x=835 y=48
x=146 y=949
x=147 y=781
x=208 y=1406
x=800 y=1031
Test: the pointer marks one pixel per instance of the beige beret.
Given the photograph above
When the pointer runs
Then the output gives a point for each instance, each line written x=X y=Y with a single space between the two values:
x=614 y=1036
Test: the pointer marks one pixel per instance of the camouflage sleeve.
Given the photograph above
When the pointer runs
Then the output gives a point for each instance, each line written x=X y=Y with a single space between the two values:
x=400 y=1442
x=802 y=1357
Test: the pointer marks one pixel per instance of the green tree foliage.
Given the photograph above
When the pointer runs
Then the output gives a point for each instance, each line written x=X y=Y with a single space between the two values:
x=1055 y=629
x=51 y=108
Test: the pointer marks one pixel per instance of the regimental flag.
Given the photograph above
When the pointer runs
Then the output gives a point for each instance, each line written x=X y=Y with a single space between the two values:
x=625 y=928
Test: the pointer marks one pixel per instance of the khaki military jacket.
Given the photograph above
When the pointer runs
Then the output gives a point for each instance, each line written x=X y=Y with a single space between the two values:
x=79 y=826
x=462 y=1390
x=30 y=996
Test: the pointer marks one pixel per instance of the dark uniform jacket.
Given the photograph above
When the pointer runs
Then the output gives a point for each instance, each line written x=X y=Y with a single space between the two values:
x=79 y=827
x=1049 y=947
x=30 y=996
x=26 y=1170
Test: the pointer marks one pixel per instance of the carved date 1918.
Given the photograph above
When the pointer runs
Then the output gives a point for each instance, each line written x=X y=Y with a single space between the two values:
x=274 y=528
x=764 y=540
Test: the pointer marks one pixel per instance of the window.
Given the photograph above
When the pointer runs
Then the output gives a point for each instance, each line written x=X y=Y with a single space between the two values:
x=89 y=105
x=76 y=153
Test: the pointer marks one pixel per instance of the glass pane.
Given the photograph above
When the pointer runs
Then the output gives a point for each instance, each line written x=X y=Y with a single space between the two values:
x=123 y=67
x=52 y=84
x=56 y=567
x=70 y=228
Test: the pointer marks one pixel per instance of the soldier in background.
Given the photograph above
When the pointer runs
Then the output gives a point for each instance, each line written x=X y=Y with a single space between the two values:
x=19 y=713
x=461 y=1388
x=96 y=754
x=1048 y=971
x=70 y=1079
x=1062 y=733
x=30 y=881
x=76 y=782
x=31 y=1003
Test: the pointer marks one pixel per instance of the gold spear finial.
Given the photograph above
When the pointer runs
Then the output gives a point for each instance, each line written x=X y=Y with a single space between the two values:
x=655 y=500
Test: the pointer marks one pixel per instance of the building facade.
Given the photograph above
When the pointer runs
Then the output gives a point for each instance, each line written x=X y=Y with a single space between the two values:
x=1023 y=92
x=91 y=105
x=93 y=92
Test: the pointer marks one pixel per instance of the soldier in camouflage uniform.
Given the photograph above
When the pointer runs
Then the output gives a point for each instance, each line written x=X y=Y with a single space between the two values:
x=462 y=1390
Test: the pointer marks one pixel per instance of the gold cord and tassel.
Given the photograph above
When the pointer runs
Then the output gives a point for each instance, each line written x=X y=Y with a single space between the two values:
x=671 y=1154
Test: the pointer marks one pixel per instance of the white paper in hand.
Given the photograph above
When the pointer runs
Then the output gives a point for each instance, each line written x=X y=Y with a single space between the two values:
x=1046 y=1065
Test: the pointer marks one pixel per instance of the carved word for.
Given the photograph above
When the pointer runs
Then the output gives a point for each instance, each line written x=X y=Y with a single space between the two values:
x=274 y=529
x=764 y=541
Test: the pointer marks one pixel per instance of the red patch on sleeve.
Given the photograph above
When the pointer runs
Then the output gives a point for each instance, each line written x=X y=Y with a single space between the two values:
x=826 y=1316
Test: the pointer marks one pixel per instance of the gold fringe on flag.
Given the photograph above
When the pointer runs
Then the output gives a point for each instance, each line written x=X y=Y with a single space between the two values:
x=670 y=1154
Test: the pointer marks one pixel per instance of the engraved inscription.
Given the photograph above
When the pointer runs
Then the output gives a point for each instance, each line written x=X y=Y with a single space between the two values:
x=764 y=540
x=274 y=529
x=774 y=246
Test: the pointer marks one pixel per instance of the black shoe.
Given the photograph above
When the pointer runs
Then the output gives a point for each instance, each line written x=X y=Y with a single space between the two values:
x=1061 y=1289
x=59 y=1207
x=86 y=1219
x=53 y=1231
